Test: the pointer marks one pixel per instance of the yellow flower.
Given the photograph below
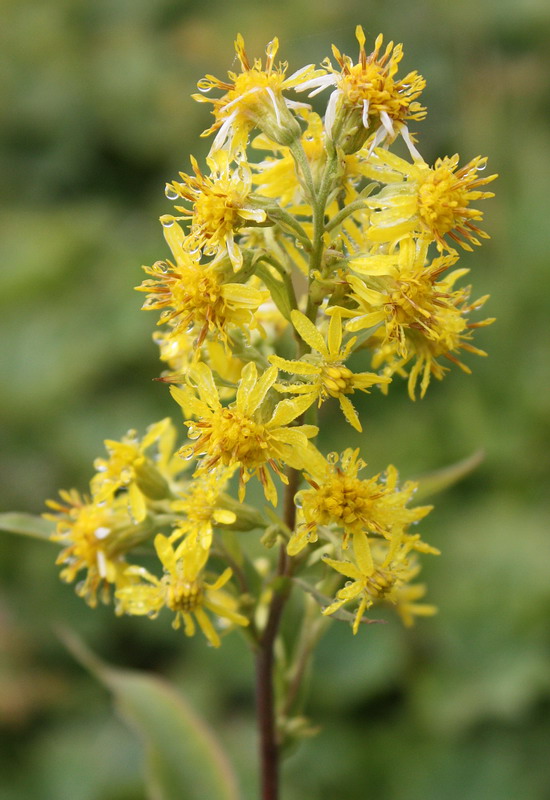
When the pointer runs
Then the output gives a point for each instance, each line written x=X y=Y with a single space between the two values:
x=360 y=507
x=427 y=201
x=367 y=98
x=197 y=298
x=199 y=501
x=178 y=351
x=384 y=579
x=221 y=205
x=247 y=432
x=95 y=537
x=253 y=99
x=143 y=468
x=423 y=318
x=182 y=589
x=327 y=371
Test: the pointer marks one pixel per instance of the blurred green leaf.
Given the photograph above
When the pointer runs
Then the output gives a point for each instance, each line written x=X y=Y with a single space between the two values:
x=184 y=759
x=26 y=525
x=433 y=482
x=278 y=290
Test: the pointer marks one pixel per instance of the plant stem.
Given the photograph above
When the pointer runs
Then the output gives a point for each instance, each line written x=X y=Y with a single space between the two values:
x=265 y=700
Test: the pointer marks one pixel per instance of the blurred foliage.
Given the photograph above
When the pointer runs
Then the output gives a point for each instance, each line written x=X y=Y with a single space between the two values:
x=96 y=117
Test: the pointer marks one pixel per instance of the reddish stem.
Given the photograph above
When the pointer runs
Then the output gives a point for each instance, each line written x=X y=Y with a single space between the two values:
x=265 y=701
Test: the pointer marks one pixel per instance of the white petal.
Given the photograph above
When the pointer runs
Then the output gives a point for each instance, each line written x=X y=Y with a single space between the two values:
x=365 y=113
x=331 y=111
x=387 y=123
x=409 y=142
x=271 y=93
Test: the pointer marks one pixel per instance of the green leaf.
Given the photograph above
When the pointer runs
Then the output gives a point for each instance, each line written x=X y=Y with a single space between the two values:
x=433 y=482
x=278 y=290
x=184 y=759
x=26 y=525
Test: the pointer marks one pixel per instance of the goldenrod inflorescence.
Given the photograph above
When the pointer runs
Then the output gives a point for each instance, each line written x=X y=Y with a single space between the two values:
x=304 y=241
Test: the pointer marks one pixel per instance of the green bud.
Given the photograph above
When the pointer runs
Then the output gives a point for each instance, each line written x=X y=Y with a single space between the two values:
x=247 y=517
x=150 y=481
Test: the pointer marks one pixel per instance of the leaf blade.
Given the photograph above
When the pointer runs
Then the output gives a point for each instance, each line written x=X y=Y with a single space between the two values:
x=183 y=756
x=24 y=524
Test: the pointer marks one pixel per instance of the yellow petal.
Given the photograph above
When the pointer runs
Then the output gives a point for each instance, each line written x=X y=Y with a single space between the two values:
x=349 y=412
x=335 y=332
x=261 y=388
x=288 y=410
x=295 y=367
x=165 y=552
x=249 y=378
x=308 y=332
x=363 y=555
x=206 y=627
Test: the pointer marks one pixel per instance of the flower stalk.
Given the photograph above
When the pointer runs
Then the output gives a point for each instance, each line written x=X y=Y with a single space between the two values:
x=336 y=246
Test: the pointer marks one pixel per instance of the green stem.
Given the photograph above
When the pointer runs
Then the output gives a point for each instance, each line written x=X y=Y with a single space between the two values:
x=357 y=205
x=285 y=219
x=298 y=153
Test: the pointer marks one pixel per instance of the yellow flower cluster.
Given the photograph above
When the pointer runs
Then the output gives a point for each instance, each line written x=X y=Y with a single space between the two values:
x=322 y=271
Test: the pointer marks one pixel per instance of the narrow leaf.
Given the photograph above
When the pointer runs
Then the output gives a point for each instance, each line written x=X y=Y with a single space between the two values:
x=184 y=760
x=278 y=290
x=26 y=525
x=433 y=482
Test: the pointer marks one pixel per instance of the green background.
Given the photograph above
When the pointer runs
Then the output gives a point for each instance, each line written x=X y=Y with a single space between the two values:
x=96 y=117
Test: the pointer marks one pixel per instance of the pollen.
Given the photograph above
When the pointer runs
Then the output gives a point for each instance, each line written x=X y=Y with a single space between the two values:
x=184 y=596
x=344 y=500
x=337 y=380
x=444 y=199
x=233 y=437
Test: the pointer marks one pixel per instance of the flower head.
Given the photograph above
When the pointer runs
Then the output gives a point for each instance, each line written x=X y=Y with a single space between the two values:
x=368 y=98
x=221 y=206
x=95 y=538
x=183 y=589
x=198 y=298
x=361 y=508
x=249 y=432
x=141 y=467
x=384 y=578
x=432 y=202
x=253 y=98
x=422 y=316
x=325 y=368
x=199 y=503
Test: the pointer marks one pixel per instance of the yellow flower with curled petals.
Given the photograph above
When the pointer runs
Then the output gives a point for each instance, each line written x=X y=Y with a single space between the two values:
x=382 y=579
x=196 y=298
x=249 y=432
x=368 y=98
x=220 y=206
x=253 y=99
x=326 y=370
x=199 y=502
x=427 y=201
x=95 y=538
x=182 y=589
x=361 y=508
x=143 y=468
x=421 y=317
